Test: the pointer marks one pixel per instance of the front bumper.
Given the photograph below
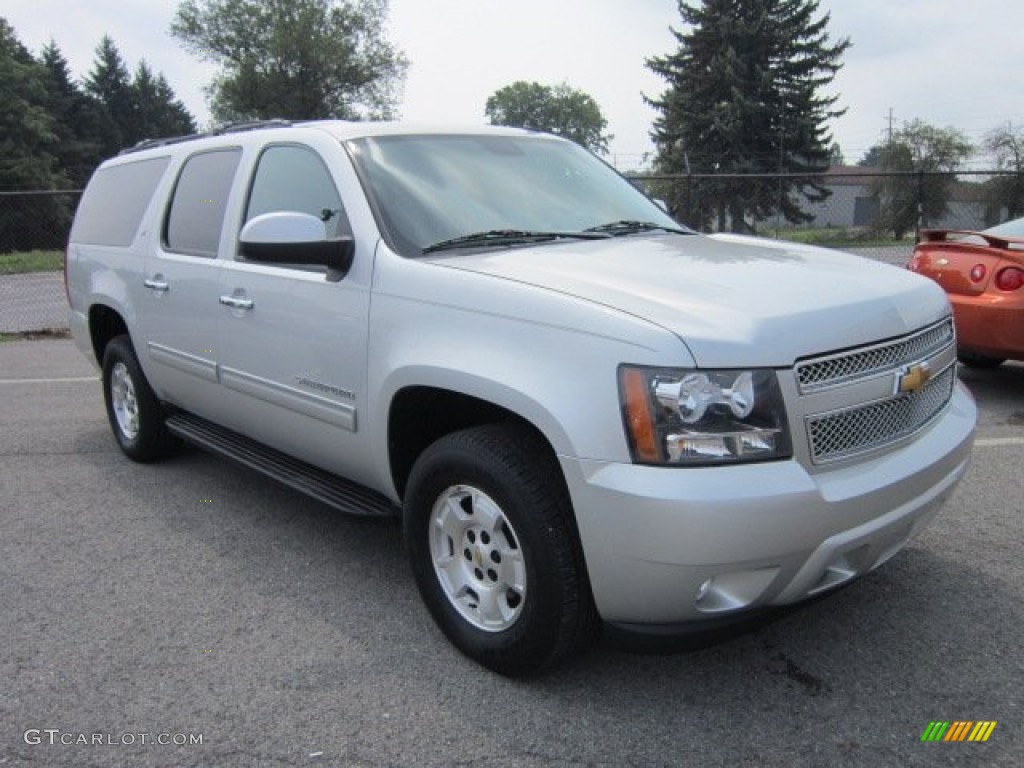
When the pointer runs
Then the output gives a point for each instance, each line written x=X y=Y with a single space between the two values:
x=670 y=546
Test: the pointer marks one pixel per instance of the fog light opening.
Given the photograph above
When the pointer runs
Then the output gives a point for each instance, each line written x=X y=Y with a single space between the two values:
x=734 y=590
x=703 y=589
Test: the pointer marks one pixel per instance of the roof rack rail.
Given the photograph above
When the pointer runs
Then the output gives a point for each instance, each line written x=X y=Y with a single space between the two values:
x=251 y=125
x=219 y=130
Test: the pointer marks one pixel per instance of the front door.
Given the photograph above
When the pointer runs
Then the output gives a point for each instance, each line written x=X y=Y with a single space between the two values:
x=293 y=343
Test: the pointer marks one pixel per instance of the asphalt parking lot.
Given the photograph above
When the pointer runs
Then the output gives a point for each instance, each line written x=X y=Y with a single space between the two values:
x=195 y=599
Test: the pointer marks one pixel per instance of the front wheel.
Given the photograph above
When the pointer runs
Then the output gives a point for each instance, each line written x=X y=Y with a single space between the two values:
x=136 y=417
x=494 y=549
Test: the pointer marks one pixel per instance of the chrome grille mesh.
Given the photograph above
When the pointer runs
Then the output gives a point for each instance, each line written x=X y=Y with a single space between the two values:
x=840 y=434
x=828 y=371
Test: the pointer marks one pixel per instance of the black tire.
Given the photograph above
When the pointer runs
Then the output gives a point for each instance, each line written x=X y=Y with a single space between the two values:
x=510 y=468
x=135 y=414
x=982 y=362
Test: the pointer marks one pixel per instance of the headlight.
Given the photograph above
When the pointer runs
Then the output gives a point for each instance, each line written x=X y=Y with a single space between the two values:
x=695 y=417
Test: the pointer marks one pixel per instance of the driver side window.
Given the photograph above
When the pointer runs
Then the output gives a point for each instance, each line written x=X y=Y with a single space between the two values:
x=294 y=178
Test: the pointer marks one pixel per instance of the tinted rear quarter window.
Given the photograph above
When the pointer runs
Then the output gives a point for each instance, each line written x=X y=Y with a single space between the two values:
x=115 y=201
x=196 y=215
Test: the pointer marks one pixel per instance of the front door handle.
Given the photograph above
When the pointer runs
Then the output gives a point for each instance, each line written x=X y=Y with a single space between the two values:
x=236 y=302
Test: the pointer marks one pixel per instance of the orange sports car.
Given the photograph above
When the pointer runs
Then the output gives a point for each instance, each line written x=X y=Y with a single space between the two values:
x=983 y=275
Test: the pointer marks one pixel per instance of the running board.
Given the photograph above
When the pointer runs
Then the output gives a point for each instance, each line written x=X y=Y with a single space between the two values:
x=343 y=495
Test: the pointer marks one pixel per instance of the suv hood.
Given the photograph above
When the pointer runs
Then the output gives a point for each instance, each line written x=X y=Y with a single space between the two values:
x=741 y=303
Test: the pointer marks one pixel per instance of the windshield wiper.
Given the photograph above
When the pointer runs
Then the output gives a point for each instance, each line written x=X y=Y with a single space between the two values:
x=629 y=227
x=510 y=237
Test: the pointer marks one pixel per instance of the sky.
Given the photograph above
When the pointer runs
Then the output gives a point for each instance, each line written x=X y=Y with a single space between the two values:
x=948 y=62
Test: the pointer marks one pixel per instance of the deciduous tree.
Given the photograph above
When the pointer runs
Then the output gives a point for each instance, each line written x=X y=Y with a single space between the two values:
x=559 y=109
x=1005 y=144
x=920 y=161
x=296 y=59
x=28 y=136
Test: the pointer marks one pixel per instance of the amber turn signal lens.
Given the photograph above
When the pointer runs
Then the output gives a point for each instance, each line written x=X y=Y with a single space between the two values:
x=639 y=418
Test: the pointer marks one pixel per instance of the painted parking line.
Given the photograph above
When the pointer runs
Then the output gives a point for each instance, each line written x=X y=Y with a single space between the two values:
x=76 y=379
x=992 y=442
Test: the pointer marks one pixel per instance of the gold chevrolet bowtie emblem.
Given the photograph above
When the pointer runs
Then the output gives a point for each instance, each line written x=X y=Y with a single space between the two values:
x=913 y=377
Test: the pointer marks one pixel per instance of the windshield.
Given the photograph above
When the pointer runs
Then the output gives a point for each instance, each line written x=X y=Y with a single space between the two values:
x=428 y=190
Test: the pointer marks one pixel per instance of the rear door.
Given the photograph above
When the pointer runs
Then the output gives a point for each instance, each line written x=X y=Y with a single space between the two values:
x=180 y=310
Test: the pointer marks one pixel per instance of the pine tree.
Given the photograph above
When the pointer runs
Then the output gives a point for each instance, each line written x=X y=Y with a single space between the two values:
x=173 y=119
x=147 y=108
x=744 y=97
x=157 y=112
x=110 y=83
x=80 y=120
x=137 y=107
x=53 y=133
x=28 y=135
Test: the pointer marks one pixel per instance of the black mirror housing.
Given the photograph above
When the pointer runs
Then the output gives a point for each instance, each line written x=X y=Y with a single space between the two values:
x=336 y=254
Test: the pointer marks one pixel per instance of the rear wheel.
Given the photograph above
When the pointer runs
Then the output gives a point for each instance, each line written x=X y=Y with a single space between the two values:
x=974 y=360
x=136 y=417
x=494 y=549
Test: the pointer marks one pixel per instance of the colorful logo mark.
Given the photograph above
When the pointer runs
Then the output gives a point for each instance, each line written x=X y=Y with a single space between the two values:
x=913 y=377
x=958 y=730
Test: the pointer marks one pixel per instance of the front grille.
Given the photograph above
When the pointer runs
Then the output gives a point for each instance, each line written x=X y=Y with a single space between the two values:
x=843 y=433
x=822 y=372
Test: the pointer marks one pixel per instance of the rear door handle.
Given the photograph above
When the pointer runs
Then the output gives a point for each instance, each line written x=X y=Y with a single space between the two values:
x=236 y=302
x=156 y=284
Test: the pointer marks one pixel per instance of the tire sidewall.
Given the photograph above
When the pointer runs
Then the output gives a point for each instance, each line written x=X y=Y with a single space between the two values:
x=532 y=638
x=151 y=442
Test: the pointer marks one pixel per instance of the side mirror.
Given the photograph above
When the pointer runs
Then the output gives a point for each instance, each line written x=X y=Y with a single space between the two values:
x=289 y=237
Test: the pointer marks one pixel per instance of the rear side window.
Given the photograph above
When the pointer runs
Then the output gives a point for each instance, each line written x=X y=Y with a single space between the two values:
x=196 y=215
x=115 y=201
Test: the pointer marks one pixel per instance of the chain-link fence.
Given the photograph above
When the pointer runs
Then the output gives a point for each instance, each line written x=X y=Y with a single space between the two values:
x=34 y=228
x=854 y=209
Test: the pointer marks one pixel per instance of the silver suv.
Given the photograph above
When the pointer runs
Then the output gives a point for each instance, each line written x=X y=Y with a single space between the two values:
x=580 y=410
